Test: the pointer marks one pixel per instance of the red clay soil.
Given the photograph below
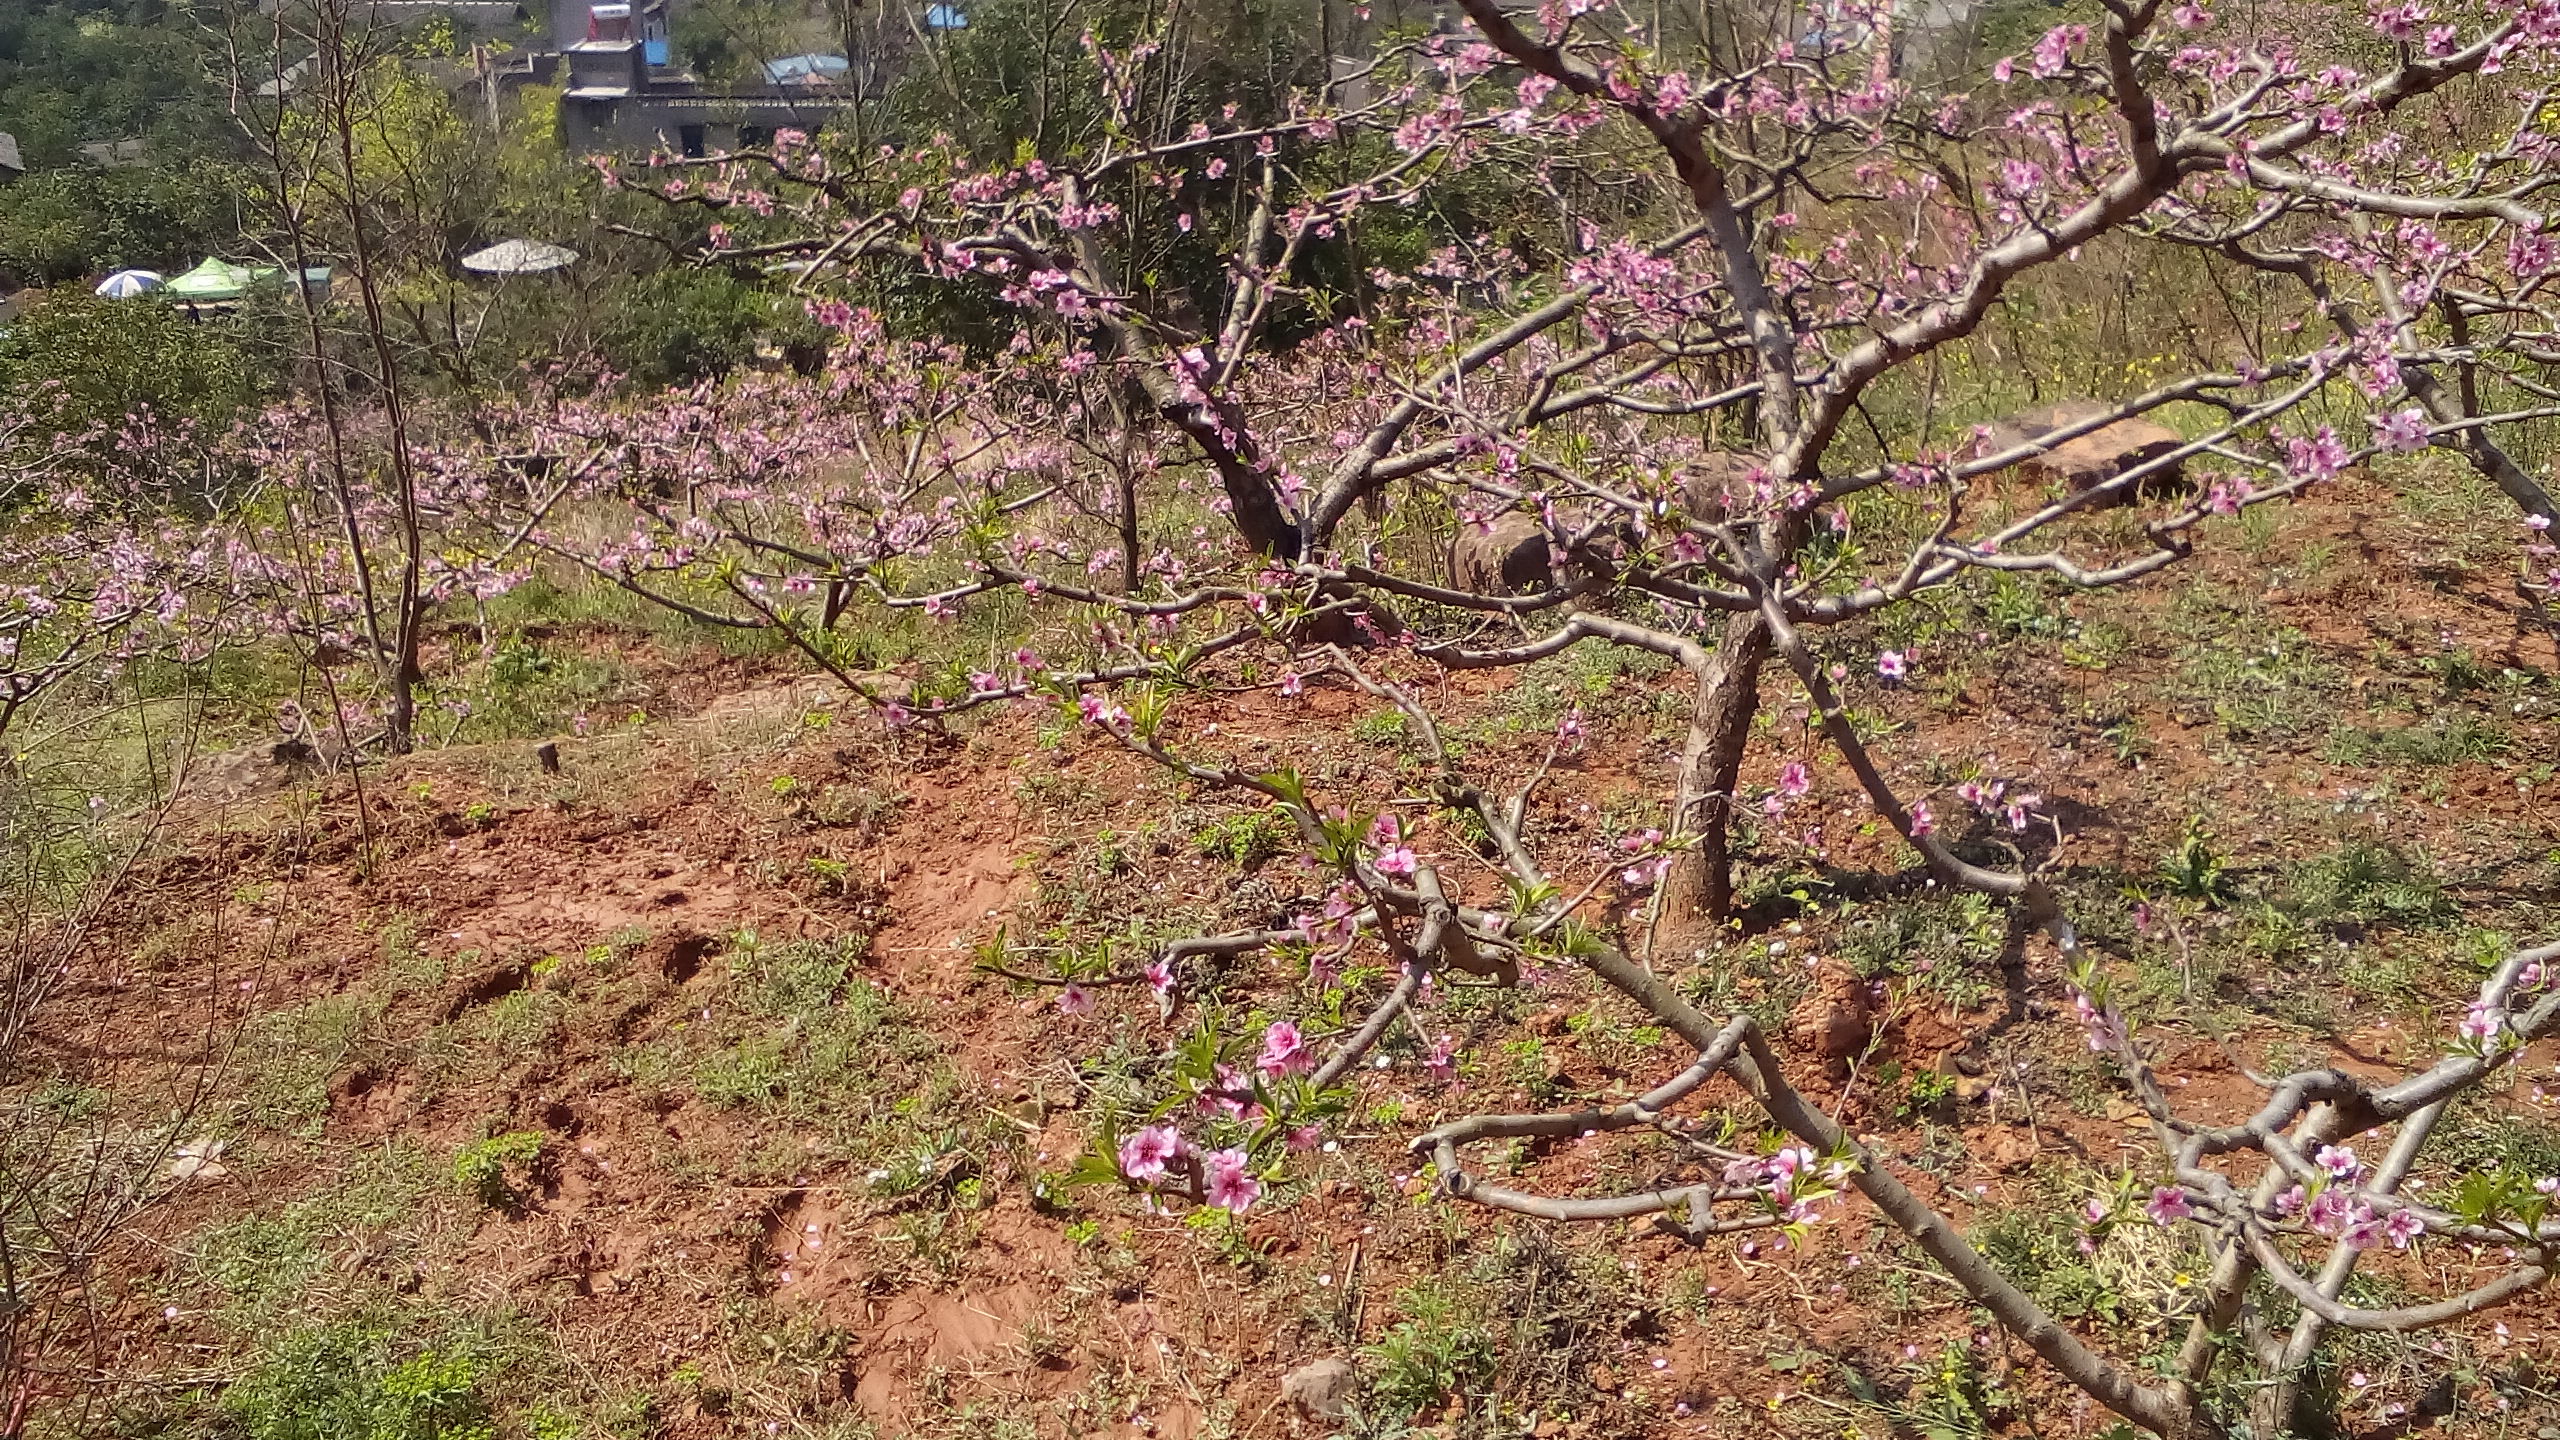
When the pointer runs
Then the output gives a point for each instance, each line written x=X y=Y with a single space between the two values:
x=654 y=1215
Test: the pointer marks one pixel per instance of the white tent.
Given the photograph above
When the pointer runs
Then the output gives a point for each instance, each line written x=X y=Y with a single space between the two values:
x=519 y=257
x=125 y=284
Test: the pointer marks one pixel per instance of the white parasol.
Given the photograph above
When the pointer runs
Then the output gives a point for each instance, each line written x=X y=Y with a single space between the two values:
x=125 y=284
x=519 y=257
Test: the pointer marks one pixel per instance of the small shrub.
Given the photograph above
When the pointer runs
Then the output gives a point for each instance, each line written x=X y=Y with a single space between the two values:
x=484 y=1167
x=2196 y=870
x=1436 y=1352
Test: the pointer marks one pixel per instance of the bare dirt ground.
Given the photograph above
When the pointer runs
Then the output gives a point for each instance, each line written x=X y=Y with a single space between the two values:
x=796 y=1153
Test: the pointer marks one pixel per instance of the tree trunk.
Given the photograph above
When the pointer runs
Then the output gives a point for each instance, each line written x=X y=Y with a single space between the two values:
x=1698 y=893
x=2274 y=1408
x=400 y=708
x=1129 y=537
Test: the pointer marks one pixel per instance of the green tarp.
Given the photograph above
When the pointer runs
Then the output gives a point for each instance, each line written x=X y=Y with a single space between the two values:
x=218 y=280
x=212 y=280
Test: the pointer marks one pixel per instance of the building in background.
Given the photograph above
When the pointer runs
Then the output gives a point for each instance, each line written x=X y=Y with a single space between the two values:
x=626 y=90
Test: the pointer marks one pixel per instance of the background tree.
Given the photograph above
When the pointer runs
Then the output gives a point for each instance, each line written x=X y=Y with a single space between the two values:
x=65 y=225
x=73 y=74
x=338 y=151
x=94 y=363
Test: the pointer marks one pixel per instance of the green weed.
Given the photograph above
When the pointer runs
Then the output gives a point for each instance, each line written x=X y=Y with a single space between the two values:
x=521 y=1023
x=1439 y=1350
x=2126 y=741
x=1381 y=727
x=2196 y=870
x=2261 y=682
x=2368 y=882
x=339 y=1382
x=487 y=1168
x=2039 y=1251
x=1246 y=838
x=1954 y=1398
x=2452 y=737
x=2018 y=607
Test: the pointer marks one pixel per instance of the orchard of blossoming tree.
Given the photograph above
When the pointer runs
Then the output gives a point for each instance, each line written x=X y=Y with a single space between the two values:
x=1890 y=673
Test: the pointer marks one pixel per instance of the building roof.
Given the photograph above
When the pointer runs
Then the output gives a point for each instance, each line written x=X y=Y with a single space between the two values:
x=9 y=159
x=803 y=69
x=116 y=154
x=718 y=107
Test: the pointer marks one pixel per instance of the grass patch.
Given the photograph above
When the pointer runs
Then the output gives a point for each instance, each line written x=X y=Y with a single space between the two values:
x=2456 y=515
x=1600 y=680
x=264 y=1266
x=798 y=978
x=2451 y=737
x=2366 y=883
x=2260 y=681
x=1948 y=945
x=2478 y=1135
x=289 y=1055
x=827 y=1056
x=342 y=1381
x=1246 y=839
